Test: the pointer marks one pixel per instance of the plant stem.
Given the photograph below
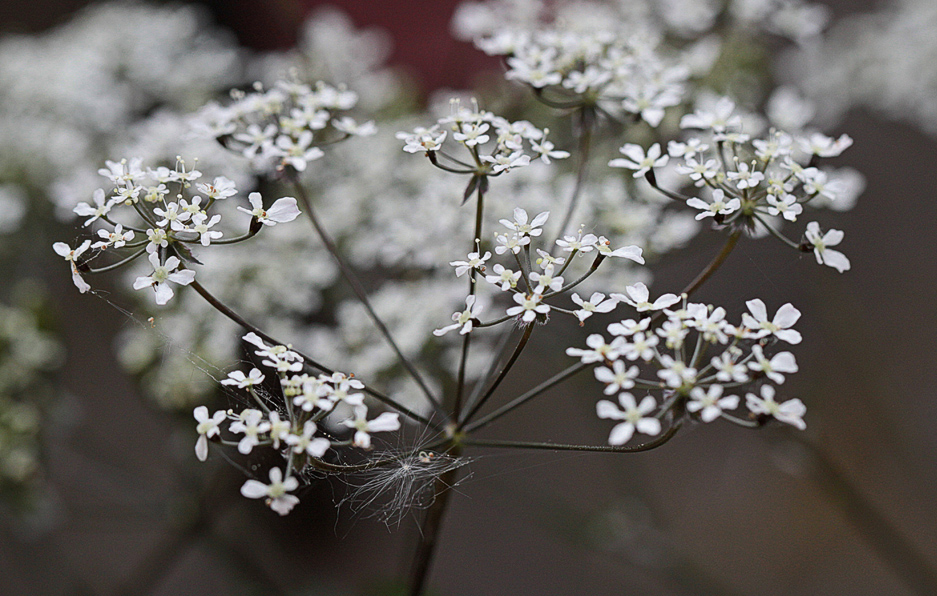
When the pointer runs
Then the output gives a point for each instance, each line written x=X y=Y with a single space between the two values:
x=223 y=309
x=429 y=530
x=356 y=287
x=567 y=447
x=504 y=371
x=467 y=338
x=522 y=399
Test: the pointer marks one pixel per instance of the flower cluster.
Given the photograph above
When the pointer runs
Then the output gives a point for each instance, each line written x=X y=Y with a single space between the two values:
x=695 y=357
x=163 y=218
x=750 y=183
x=293 y=422
x=284 y=125
x=529 y=285
x=511 y=144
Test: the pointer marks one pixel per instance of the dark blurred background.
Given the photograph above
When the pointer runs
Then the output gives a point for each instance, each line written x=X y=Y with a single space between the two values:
x=846 y=508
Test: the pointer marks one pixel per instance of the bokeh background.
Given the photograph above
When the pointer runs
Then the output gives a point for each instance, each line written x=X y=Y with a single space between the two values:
x=845 y=508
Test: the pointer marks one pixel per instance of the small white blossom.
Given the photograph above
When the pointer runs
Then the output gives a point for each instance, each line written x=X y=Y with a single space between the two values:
x=790 y=412
x=633 y=415
x=529 y=306
x=710 y=404
x=821 y=244
x=387 y=421
x=282 y=211
x=163 y=273
x=275 y=493
x=463 y=320
x=638 y=295
x=639 y=161
x=207 y=428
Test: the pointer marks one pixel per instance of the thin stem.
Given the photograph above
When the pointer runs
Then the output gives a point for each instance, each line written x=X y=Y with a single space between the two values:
x=356 y=287
x=119 y=263
x=714 y=265
x=504 y=371
x=599 y=257
x=587 y=118
x=777 y=234
x=432 y=524
x=568 y=447
x=467 y=338
x=525 y=397
x=651 y=177
x=223 y=309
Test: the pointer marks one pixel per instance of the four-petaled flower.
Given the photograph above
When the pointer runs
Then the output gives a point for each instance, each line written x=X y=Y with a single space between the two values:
x=275 y=492
x=163 y=273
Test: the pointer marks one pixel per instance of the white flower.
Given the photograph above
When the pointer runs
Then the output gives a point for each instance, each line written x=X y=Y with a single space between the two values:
x=785 y=205
x=633 y=416
x=675 y=372
x=825 y=256
x=387 y=421
x=305 y=443
x=638 y=295
x=474 y=262
x=545 y=280
x=505 y=277
x=158 y=238
x=545 y=149
x=638 y=160
x=710 y=404
x=71 y=255
x=250 y=422
x=275 y=492
x=220 y=188
x=599 y=350
x=528 y=304
x=282 y=211
x=596 y=303
x=629 y=327
x=728 y=369
x=243 y=381
x=780 y=326
x=502 y=162
x=202 y=228
x=117 y=238
x=625 y=252
x=791 y=412
x=824 y=146
x=718 y=120
x=521 y=225
x=463 y=320
x=349 y=126
x=162 y=275
x=617 y=377
x=782 y=362
x=580 y=243
x=297 y=153
x=745 y=177
x=719 y=205
x=641 y=346
x=423 y=139
x=471 y=134
x=101 y=207
x=207 y=428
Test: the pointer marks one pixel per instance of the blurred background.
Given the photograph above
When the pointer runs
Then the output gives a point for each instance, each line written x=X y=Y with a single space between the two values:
x=102 y=495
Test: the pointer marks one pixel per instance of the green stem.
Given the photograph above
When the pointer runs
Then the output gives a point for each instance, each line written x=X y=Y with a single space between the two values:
x=467 y=338
x=587 y=119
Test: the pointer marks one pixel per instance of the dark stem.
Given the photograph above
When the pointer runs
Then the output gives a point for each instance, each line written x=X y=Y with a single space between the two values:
x=223 y=309
x=467 y=338
x=356 y=287
x=714 y=264
x=504 y=371
x=432 y=524
x=522 y=399
x=566 y=447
